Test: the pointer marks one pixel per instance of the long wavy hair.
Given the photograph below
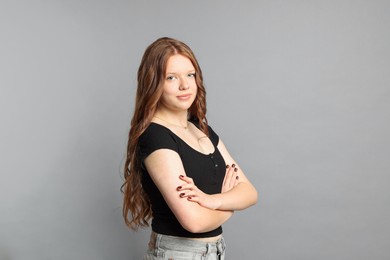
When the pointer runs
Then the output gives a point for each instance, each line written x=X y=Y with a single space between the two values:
x=137 y=210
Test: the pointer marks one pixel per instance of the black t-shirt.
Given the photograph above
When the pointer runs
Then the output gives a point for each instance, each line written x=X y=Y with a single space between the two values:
x=206 y=170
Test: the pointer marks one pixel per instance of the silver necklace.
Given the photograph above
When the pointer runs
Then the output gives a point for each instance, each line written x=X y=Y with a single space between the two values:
x=185 y=127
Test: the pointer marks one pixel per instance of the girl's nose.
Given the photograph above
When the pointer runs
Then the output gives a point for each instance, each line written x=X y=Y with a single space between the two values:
x=183 y=85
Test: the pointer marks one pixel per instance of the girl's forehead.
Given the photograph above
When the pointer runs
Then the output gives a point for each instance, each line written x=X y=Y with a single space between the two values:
x=178 y=62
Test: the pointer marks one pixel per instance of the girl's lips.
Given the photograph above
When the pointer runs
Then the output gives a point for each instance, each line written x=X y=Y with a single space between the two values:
x=184 y=97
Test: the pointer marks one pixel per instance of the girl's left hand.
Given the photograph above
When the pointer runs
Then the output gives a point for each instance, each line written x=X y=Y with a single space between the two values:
x=191 y=192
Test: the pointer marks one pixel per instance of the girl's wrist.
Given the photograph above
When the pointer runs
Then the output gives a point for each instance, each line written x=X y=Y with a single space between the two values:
x=217 y=201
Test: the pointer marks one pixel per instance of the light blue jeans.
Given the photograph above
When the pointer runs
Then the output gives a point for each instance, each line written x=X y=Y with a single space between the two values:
x=163 y=247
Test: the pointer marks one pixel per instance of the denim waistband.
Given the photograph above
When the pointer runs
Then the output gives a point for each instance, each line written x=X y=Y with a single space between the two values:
x=186 y=244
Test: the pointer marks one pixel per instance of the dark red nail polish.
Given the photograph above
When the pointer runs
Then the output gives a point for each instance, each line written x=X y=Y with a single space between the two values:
x=181 y=176
x=235 y=169
x=189 y=198
x=182 y=195
x=233 y=165
x=179 y=188
x=237 y=177
x=227 y=166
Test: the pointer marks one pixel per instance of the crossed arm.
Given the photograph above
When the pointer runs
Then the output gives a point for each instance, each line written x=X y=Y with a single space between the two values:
x=196 y=211
x=237 y=191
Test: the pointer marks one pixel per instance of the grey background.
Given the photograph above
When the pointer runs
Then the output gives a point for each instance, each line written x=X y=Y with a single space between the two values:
x=298 y=90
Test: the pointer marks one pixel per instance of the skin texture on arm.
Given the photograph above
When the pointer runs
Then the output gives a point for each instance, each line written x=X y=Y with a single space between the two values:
x=237 y=192
x=165 y=167
x=243 y=194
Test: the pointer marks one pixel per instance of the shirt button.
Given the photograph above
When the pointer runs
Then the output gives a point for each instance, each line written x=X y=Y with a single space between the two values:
x=216 y=165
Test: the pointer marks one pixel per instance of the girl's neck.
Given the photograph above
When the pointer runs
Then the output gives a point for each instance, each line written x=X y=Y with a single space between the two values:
x=175 y=119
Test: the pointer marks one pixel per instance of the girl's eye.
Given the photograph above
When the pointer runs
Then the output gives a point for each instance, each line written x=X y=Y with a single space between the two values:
x=191 y=75
x=170 y=77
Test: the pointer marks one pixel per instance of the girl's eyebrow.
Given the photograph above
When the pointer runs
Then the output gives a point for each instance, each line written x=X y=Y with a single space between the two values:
x=190 y=71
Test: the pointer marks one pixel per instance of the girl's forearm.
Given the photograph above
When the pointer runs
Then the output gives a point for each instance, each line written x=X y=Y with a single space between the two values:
x=204 y=219
x=240 y=197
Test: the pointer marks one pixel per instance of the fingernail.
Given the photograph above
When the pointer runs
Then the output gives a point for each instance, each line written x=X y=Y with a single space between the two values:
x=189 y=198
x=236 y=169
x=181 y=195
x=181 y=176
x=237 y=177
x=179 y=188
x=227 y=166
x=233 y=165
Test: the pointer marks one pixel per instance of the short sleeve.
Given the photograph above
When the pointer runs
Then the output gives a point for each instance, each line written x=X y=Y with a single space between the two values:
x=155 y=137
x=213 y=136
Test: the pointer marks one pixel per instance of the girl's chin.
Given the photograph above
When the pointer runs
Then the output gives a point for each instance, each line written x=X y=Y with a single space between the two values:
x=178 y=106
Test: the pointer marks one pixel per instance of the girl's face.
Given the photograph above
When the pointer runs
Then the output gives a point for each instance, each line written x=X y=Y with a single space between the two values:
x=179 y=89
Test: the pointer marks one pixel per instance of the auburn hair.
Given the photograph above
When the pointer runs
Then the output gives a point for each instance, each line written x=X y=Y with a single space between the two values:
x=137 y=210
